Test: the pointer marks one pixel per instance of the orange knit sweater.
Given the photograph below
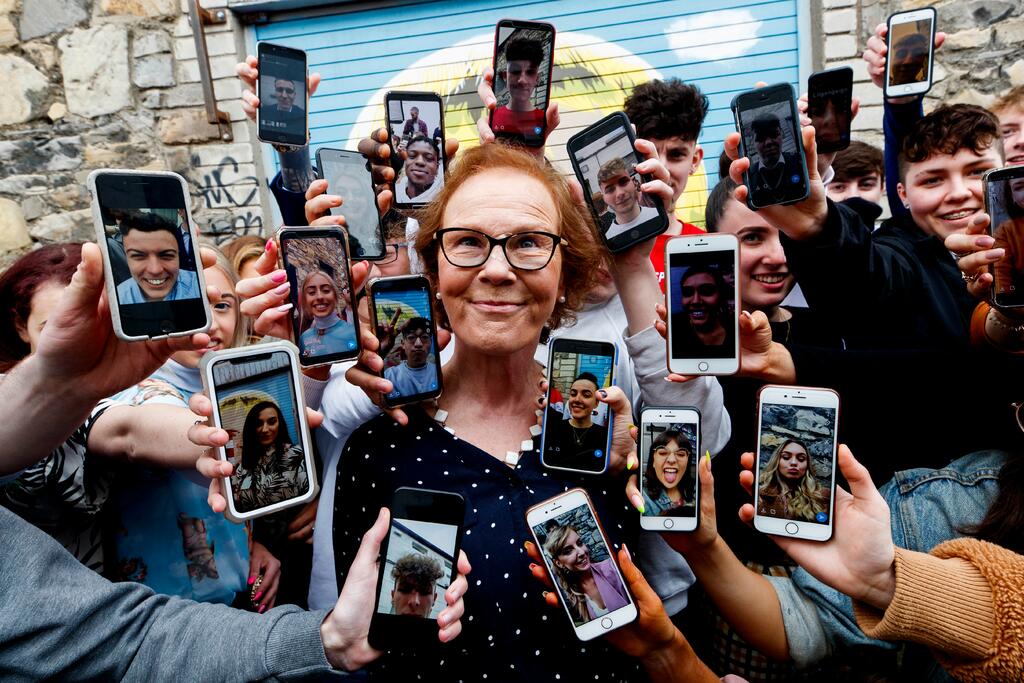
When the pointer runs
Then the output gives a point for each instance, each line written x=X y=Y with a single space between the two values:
x=965 y=601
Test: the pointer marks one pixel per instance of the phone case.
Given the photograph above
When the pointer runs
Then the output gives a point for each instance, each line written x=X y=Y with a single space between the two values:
x=259 y=95
x=698 y=455
x=369 y=178
x=735 y=106
x=206 y=371
x=108 y=274
x=931 y=55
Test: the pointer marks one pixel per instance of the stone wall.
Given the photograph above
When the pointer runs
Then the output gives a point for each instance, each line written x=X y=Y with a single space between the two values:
x=115 y=84
x=983 y=55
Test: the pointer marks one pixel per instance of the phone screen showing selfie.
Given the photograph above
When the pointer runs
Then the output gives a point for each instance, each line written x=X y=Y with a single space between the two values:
x=702 y=304
x=771 y=140
x=282 y=112
x=1005 y=199
x=909 y=51
x=522 y=74
x=796 y=458
x=405 y=330
x=829 y=100
x=348 y=178
x=576 y=424
x=323 y=319
x=257 y=406
x=416 y=126
x=152 y=255
x=417 y=569
x=606 y=163
x=583 y=570
x=669 y=453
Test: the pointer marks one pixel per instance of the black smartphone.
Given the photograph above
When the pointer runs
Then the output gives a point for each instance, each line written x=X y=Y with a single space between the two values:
x=155 y=282
x=604 y=160
x=348 y=176
x=1004 y=203
x=403 y=320
x=415 y=123
x=577 y=430
x=829 y=105
x=281 y=88
x=256 y=393
x=324 y=320
x=524 y=59
x=910 y=51
x=769 y=127
x=419 y=561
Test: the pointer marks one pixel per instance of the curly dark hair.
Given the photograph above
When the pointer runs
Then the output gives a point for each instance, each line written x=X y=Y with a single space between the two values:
x=947 y=130
x=419 y=571
x=665 y=109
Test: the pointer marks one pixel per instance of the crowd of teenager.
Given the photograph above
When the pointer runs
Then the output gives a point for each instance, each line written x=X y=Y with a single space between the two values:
x=117 y=561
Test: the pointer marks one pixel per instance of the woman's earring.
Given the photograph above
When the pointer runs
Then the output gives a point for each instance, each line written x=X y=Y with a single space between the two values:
x=561 y=299
x=437 y=295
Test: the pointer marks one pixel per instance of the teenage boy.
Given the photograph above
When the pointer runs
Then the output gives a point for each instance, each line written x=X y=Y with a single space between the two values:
x=1010 y=110
x=522 y=73
x=621 y=193
x=899 y=286
x=859 y=172
x=670 y=114
x=413 y=375
x=415 y=589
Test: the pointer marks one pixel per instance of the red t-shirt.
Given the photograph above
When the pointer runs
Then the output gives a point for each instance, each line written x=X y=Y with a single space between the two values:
x=507 y=121
x=658 y=252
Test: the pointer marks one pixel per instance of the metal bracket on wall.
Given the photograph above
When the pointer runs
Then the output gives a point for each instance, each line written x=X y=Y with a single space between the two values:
x=200 y=18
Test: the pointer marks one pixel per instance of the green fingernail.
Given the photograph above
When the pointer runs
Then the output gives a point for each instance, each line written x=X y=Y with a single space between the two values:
x=641 y=508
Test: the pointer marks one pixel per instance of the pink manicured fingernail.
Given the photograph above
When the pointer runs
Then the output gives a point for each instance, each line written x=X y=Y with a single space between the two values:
x=626 y=550
x=263 y=608
x=270 y=242
x=284 y=307
x=279 y=276
x=282 y=289
x=252 y=580
x=257 y=596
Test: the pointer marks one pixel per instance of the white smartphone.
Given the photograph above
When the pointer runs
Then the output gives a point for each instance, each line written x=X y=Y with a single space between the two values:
x=703 y=304
x=579 y=559
x=144 y=228
x=910 y=47
x=795 y=475
x=669 y=455
x=256 y=393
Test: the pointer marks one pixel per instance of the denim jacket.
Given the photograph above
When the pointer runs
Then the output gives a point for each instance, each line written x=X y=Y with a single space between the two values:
x=928 y=507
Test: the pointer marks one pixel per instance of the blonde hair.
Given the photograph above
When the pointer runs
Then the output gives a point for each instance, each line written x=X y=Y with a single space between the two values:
x=581 y=252
x=241 y=336
x=805 y=499
x=571 y=590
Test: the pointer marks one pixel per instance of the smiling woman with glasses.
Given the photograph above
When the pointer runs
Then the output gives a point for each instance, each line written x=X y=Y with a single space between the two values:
x=507 y=251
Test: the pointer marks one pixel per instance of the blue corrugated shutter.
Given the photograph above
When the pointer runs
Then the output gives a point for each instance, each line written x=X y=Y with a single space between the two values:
x=604 y=47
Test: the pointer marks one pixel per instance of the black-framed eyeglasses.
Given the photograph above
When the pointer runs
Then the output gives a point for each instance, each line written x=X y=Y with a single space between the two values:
x=391 y=251
x=467 y=248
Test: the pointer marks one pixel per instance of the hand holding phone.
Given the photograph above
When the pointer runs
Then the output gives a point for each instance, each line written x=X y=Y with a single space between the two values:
x=348 y=176
x=910 y=52
x=419 y=562
x=579 y=559
x=523 y=66
x=794 y=479
x=284 y=102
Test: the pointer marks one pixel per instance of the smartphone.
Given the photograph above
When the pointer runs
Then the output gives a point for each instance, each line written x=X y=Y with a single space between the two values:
x=284 y=102
x=524 y=58
x=144 y=228
x=910 y=45
x=257 y=398
x=403 y=320
x=703 y=304
x=575 y=550
x=415 y=123
x=348 y=176
x=324 y=320
x=769 y=127
x=669 y=455
x=1004 y=203
x=419 y=560
x=604 y=160
x=577 y=430
x=829 y=105
x=795 y=476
